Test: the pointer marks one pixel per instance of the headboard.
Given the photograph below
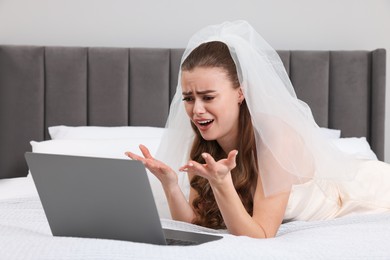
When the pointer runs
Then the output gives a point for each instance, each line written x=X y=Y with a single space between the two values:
x=46 y=86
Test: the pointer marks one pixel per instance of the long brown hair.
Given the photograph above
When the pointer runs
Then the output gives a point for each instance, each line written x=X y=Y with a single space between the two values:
x=244 y=175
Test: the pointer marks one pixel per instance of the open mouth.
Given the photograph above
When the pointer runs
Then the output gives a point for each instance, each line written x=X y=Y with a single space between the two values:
x=205 y=122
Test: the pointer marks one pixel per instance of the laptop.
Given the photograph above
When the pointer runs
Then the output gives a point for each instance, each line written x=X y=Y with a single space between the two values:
x=102 y=198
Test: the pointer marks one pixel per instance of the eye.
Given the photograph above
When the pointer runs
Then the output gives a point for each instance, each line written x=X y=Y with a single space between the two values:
x=208 y=98
x=188 y=99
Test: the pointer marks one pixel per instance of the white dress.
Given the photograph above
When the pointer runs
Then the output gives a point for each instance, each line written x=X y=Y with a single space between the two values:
x=369 y=192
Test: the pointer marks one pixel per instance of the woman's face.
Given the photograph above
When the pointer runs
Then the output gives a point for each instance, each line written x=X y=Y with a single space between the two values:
x=212 y=103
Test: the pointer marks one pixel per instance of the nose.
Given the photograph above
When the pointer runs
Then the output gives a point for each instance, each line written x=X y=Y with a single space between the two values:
x=198 y=108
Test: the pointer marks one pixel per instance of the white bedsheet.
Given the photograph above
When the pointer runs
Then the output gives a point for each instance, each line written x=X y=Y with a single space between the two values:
x=17 y=188
x=25 y=234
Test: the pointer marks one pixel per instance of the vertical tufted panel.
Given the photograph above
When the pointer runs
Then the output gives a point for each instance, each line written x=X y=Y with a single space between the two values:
x=285 y=57
x=378 y=102
x=175 y=61
x=149 y=86
x=21 y=106
x=66 y=86
x=309 y=73
x=350 y=92
x=108 y=73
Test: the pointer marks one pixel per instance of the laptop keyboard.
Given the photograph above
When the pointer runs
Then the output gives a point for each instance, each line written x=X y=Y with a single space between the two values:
x=177 y=242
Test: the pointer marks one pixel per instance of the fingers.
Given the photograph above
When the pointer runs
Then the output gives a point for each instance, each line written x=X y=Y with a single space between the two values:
x=145 y=151
x=209 y=160
x=149 y=163
x=149 y=160
x=188 y=166
x=231 y=159
x=194 y=168
x=133 y=156
x=210 y=164
x=198 y=168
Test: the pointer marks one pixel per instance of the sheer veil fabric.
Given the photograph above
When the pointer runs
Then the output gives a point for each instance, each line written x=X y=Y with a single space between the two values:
x=290 y=147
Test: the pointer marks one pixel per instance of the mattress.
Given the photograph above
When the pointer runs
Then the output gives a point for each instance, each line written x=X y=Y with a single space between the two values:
x=25 y=234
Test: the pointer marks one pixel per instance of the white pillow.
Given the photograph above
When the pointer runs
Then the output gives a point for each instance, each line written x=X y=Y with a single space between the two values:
x=102 y=132
x=109 y=148
x=357 y=146
x=330 y=133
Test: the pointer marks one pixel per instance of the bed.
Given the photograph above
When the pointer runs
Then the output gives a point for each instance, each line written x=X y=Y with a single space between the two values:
x=101 y=101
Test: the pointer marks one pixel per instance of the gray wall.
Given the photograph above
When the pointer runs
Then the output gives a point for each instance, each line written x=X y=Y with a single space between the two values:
x=285 y=24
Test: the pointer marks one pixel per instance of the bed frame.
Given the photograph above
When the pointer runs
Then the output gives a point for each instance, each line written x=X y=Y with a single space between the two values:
x=46 y=86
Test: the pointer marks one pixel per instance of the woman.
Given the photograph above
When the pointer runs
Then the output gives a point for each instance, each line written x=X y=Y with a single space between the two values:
x=256 y=152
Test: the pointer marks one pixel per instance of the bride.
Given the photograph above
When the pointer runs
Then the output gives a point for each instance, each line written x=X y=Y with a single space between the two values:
x=252 y=151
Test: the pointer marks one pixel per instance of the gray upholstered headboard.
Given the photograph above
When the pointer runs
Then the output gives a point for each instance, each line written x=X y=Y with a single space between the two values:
x=45 y=86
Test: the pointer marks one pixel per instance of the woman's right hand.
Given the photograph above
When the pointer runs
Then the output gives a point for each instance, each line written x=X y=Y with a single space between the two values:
x=162 y=171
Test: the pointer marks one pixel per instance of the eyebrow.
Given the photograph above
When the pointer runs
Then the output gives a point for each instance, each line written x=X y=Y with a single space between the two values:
x=198 y=92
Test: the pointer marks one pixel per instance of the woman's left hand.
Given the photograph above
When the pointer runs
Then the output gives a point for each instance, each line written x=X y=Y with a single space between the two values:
x=215 y=172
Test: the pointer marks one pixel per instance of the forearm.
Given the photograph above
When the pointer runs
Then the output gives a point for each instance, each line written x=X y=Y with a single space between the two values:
x=178 y=205
x=237 y=219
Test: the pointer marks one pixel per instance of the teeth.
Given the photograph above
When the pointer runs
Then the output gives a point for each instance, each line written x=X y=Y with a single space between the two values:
x=205 y=121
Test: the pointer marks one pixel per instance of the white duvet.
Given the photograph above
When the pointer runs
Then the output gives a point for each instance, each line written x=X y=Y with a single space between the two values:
x=25 y=234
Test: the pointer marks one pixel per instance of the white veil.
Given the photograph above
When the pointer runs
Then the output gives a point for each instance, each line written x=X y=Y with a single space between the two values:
x=290 y=147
